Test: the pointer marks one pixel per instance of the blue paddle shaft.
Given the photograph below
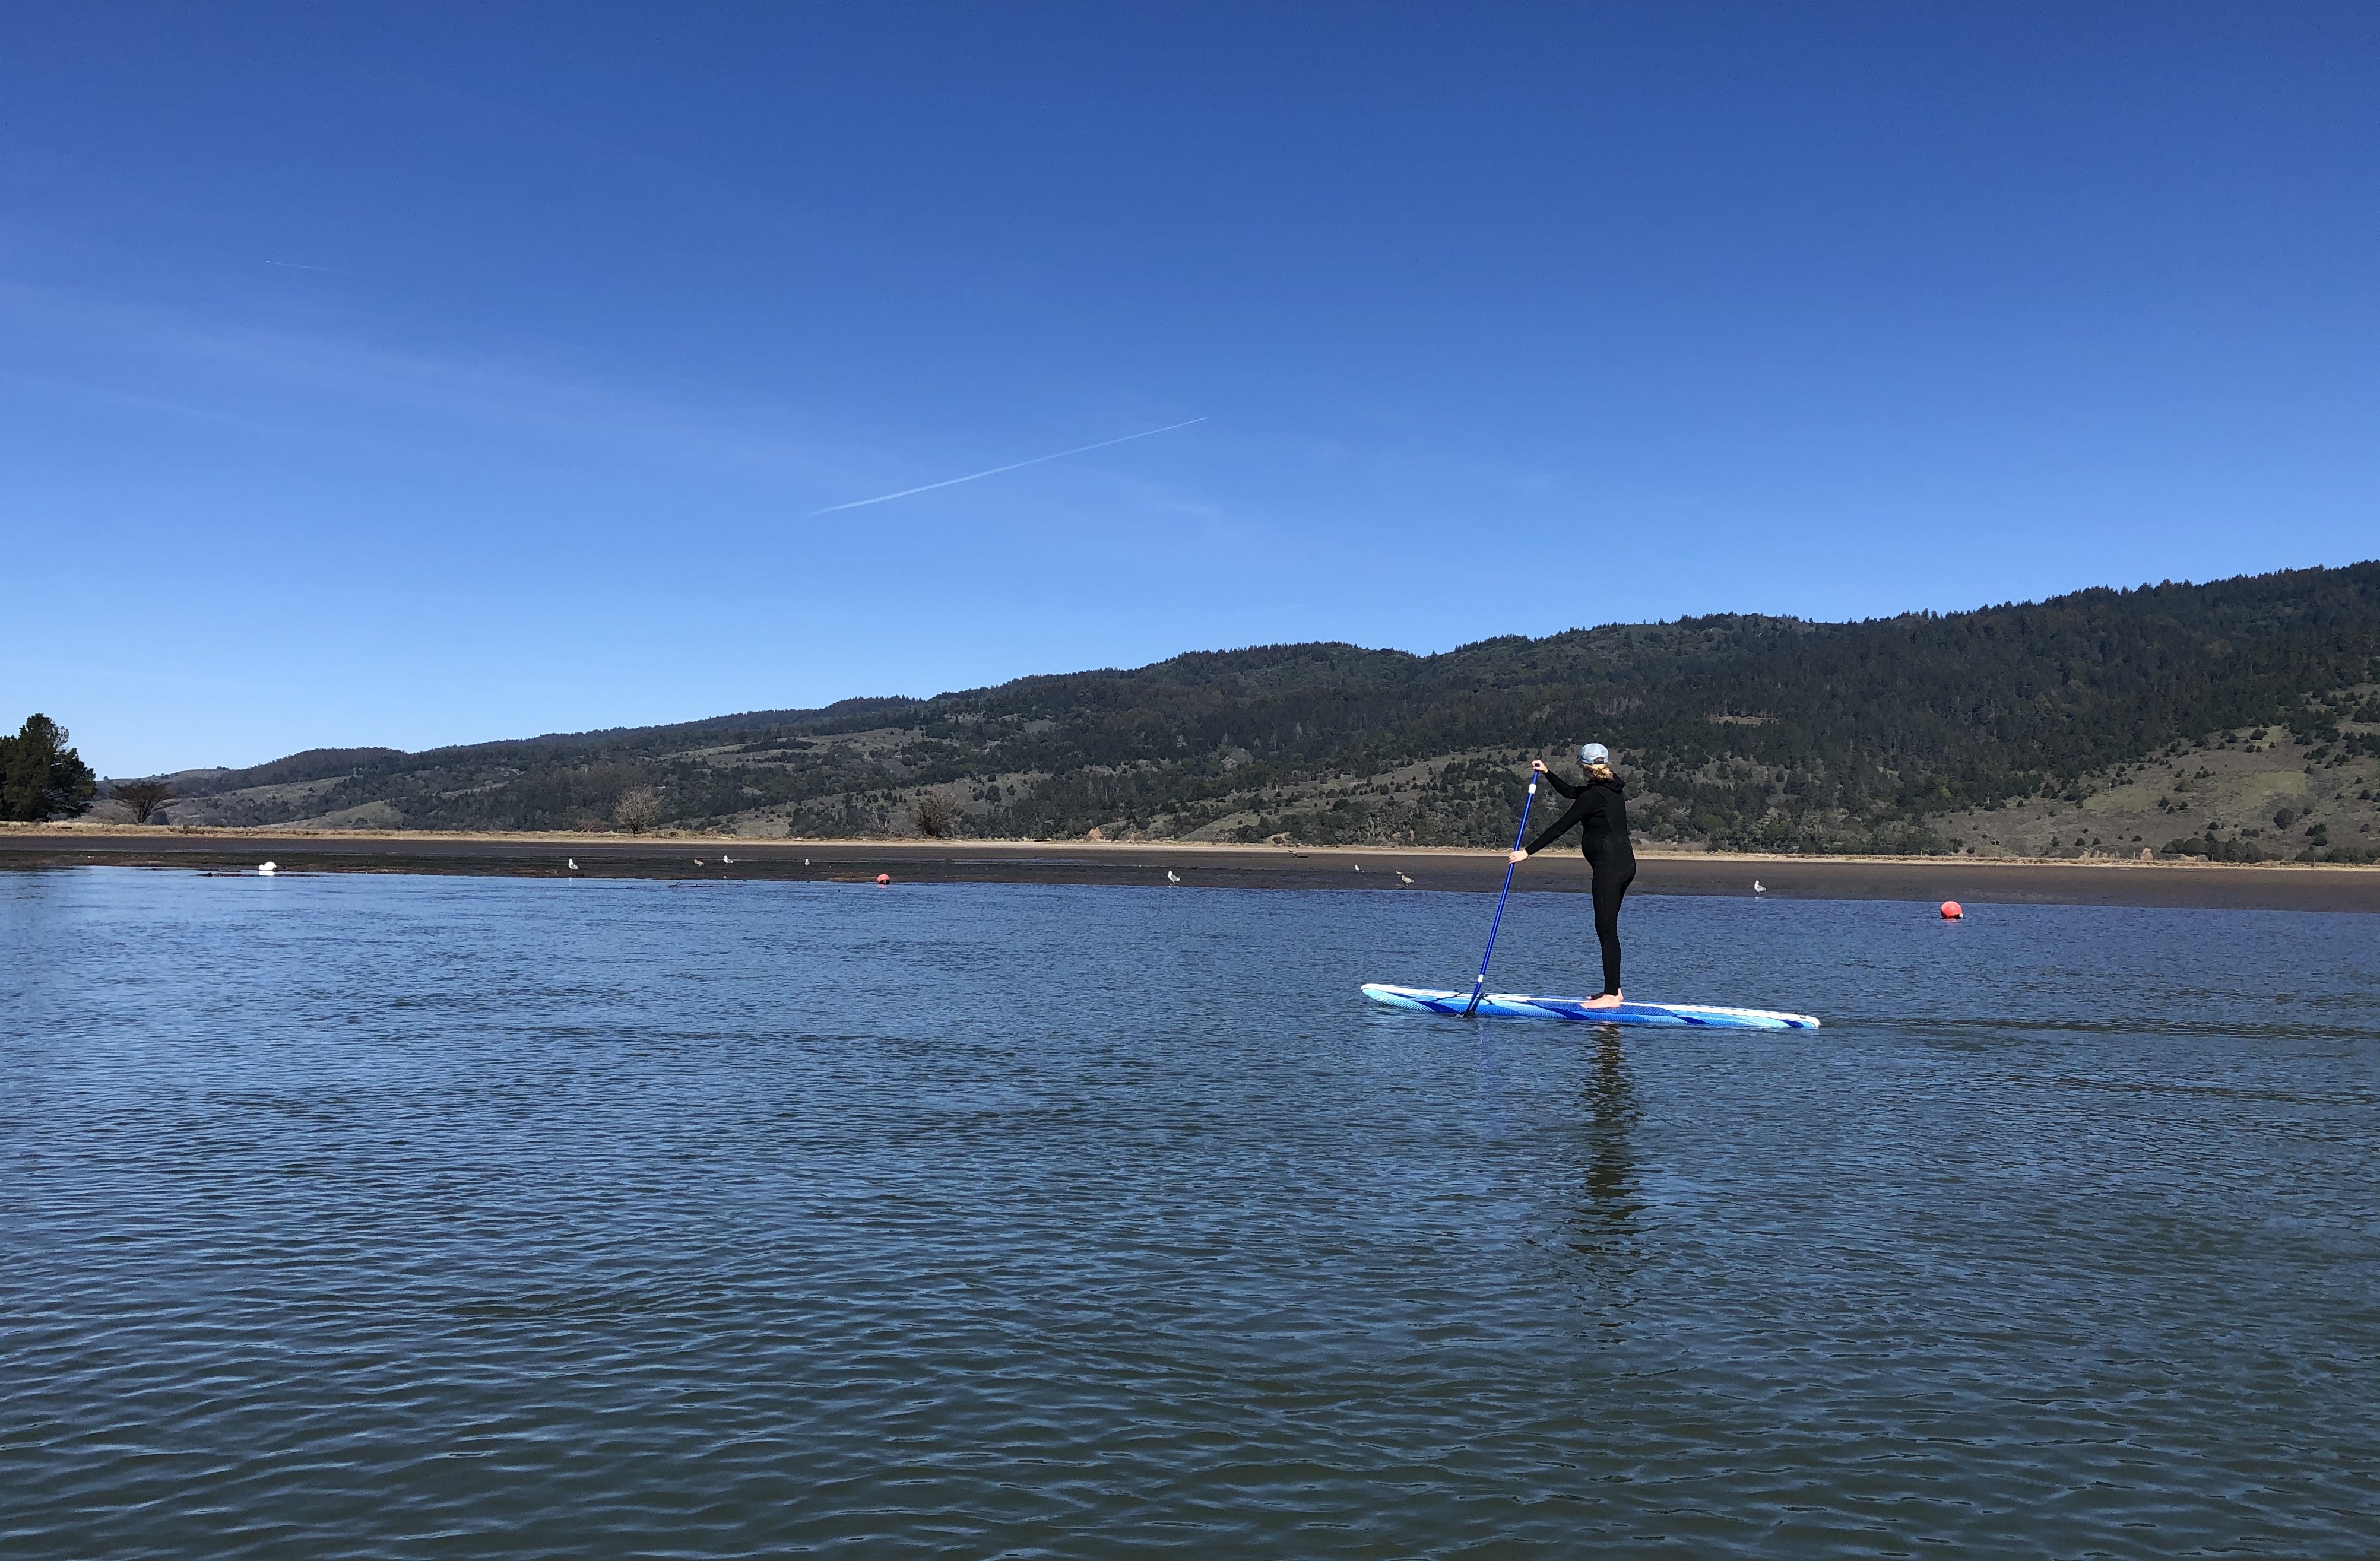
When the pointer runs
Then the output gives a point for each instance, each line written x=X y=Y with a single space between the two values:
x=1519 y=835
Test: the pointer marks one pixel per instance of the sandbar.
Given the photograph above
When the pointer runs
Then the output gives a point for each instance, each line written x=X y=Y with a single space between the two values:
x=2268 y=885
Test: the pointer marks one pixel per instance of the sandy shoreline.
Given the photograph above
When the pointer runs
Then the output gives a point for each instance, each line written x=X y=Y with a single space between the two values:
x=2295 y=886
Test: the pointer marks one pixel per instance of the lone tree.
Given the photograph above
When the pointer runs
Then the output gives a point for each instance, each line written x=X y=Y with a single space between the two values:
x=937 y=815
x=40 y=776
x=639 y=809
x=141 y=798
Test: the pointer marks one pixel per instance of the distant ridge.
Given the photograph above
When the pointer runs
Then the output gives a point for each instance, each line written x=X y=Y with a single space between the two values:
x=1737 y=732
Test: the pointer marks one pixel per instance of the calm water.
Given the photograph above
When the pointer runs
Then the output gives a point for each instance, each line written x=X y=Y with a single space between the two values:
x=414 y=1217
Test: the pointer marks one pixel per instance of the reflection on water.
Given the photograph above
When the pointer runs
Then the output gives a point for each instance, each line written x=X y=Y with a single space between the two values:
x=402 y=1216
x=1603 y=1233
x=1611 y=1114
x=1607 y=1221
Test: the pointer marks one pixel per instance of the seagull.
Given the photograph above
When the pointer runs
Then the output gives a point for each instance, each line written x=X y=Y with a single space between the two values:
x=1359 y=866
x=728 y=861
x=268 y=869
x=1401 y=879
x=574 y=863
x=805 y=861
x=697 y=861
x=1173 y=876
x=1759 y=888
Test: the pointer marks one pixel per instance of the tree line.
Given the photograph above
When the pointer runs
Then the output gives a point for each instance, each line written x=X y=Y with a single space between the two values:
x=1738 y=731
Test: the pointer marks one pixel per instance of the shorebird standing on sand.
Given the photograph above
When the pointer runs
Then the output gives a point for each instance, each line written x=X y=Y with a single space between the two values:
x=574 y=863
x=1173 y=876
x=1758 y=888
x=1401 y=879
x=727 y=861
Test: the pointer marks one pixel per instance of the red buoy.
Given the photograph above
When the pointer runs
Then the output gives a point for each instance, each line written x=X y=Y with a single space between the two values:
x=1950 y=911
x=887 y=877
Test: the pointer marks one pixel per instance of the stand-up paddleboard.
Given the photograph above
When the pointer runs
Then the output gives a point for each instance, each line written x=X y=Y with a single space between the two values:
x=1515 y=1005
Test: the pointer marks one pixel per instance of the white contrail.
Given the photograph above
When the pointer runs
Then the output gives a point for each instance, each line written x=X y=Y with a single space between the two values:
x=948 y=482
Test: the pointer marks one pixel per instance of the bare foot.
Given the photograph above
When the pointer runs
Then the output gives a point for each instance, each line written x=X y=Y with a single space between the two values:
x=1608 y=1000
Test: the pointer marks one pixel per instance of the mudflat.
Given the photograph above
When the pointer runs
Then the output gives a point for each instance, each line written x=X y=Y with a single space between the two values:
x=2272 y=885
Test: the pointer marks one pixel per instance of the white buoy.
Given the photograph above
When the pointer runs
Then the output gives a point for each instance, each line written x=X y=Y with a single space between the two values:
x=268 y=870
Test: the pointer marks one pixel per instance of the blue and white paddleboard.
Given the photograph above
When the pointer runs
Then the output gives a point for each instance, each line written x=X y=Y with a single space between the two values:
x=1515 y=1005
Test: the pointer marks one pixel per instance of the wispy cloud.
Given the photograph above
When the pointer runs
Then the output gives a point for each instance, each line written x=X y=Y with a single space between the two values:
x=1013 y=465
x=248 y=373
x=64 y=672
x=344 y=386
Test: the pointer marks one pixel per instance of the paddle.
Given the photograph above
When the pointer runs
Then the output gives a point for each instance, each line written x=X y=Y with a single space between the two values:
x=1479 y=987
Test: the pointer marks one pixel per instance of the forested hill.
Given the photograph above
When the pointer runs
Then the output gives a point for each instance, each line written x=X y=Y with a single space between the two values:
x=1739 y=731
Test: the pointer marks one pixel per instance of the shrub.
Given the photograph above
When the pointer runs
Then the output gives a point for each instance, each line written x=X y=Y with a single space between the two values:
x=2217 y=851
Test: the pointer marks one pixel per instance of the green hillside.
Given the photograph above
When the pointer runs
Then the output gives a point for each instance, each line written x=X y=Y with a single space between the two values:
x=1739 y=733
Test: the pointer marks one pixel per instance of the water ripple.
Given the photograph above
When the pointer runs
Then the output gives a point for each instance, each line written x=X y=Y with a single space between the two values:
x=388 y=1216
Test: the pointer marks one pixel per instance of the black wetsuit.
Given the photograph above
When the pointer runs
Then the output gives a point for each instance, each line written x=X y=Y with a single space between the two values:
x=1600 y=810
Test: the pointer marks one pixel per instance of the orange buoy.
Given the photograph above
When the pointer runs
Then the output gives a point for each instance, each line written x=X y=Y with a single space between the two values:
x=1951 y=911
x=887 y=877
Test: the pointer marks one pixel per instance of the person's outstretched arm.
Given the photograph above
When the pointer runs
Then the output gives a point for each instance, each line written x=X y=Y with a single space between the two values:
x=1561 y=827
x=1568 y=820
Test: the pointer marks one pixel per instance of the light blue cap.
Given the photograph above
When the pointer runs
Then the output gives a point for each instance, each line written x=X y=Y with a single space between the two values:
x=1595 y=753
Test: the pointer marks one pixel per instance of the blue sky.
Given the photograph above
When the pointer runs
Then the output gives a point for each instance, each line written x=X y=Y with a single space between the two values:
x=422 y=374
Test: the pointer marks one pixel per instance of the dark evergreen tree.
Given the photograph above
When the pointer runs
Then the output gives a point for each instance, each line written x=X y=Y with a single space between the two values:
x=40 y=776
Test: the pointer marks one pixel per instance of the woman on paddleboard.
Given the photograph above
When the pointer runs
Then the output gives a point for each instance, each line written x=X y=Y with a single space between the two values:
x=1599 y=811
